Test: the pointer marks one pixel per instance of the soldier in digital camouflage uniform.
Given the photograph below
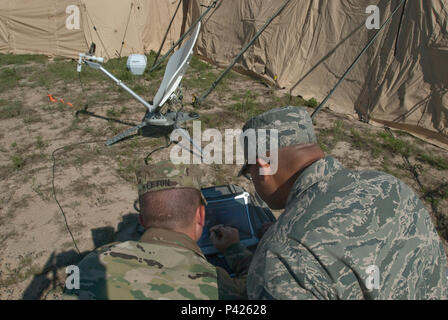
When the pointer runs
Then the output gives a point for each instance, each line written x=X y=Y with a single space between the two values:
x=343 y=234
x=165 y=263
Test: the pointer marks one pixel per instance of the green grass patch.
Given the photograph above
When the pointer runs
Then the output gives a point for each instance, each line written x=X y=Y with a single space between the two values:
x=396 y=145
x=18 y=162
x=201 y=80
x=9 y=78
x=116 y=112
x=156 y=74
x=20 y=59
x=366 y=141
x=437 y=162
x=215 y=120
x=140 y=89
x=40 y=143
x=10 y=110
x=312 y=103
x=286 y=100
x=407 y=149
x=246 y=108
x=198 y=65
x=387 y=168
x=329 y=137
x=378 y=144
x=65 y=70
x=31 y=117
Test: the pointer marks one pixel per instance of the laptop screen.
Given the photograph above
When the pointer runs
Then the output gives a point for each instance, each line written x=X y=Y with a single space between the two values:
x=230 y=212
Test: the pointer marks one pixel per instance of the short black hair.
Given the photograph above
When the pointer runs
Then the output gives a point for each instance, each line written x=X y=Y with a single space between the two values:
x=170 y=209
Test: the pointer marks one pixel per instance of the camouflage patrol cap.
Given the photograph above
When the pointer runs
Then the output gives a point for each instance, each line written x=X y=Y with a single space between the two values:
x=294 y=127
x=165 y=176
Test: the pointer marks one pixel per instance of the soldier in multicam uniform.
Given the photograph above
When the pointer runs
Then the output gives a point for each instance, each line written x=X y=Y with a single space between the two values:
x=343 y=234
x=166 y=263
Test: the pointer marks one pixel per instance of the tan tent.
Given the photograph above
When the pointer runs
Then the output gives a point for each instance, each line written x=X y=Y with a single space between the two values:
x=28 y=26
x=306 y=49
x=39 y=26
x=311 y=44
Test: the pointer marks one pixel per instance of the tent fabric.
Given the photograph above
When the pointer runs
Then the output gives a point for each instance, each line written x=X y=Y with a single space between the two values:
x=39 y=26
x=3 y=30
x=108 y=26
x=311 y=44
x=306 y=49
x=154 y=23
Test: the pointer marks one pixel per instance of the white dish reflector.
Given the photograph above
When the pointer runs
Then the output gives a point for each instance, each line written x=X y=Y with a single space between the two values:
x=175 y=70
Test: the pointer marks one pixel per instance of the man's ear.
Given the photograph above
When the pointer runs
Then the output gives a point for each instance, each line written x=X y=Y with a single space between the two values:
x=200 y=215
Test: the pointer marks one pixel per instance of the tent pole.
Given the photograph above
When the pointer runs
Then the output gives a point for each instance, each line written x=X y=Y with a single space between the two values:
x=399 y=27
x=217 y=81
x=166 y=33
x=213 y=5
x=319 y=108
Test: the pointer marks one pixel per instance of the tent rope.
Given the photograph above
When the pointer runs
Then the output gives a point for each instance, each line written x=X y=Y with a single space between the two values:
x=166 y=34
x=126 y=30
x=156 y=65
x=98 y=34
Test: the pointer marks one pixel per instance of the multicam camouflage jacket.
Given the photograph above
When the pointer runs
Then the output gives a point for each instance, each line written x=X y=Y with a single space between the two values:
x=162 y=265
x=349 y=235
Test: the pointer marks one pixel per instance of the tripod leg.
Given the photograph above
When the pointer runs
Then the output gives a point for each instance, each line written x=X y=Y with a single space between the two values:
x=124 y=134
x=187 y=136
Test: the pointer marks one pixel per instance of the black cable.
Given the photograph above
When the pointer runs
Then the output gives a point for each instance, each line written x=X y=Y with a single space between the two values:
x=156 y=150
x=356 y=61
x=91 y=114
x=54 y=189
x=136 y=208
x=399 y=28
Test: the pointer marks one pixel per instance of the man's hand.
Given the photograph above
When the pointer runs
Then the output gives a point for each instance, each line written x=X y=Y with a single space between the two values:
x=223 y=237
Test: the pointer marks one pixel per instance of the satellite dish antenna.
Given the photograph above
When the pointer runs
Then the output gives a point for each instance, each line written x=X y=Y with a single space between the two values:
x=176 y=68
x=169 y=89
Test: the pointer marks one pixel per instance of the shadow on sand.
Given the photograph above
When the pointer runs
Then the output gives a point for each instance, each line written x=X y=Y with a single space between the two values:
x=49 y=281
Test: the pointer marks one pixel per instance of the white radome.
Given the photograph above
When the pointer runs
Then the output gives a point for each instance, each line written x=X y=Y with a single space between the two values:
x=137 y=64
